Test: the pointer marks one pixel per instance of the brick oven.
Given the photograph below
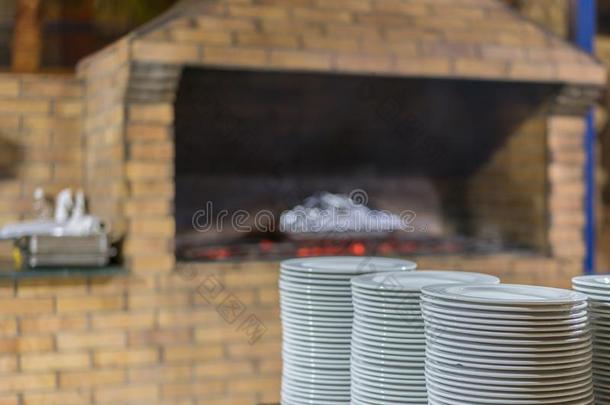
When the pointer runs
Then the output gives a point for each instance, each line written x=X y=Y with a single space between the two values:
x=460 y=110
x=464 y=109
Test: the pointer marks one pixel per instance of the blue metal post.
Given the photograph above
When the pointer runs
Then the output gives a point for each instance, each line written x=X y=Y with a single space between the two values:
x=584 y=28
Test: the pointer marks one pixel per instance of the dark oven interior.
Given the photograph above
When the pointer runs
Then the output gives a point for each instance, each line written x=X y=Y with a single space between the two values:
x=374 y=165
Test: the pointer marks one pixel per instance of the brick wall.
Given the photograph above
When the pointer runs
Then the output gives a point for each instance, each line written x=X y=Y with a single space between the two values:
x=140 y=339
x=509 y=194
x=40 y=140
x=152 y=337
x=105 y=78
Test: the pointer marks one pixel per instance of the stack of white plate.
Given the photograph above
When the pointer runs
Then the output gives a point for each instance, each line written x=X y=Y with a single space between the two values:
x=597 y=288
x=506 y=344
x=388 y=341
x=317 y=314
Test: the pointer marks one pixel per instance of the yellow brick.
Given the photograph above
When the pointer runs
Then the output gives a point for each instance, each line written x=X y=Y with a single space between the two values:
x=320 y=15
x=300 y=60
x=192 y=389
x=24 y=306
x=9 y=399
x=262 y=349
x=121 y=284
x=146 y=393
x=258 y=11
x=182 y=317
x=146 y=207
x=268 y=295
x=124 y=320
x=162 y=373
x=481 y=68
x=152 y=263
x=362 y=63
x=9 y=122
x=44 y=287
x=261 y=39
x=87 y=340
x=25 y=106
x=353 y=5
x=193 y=353
x=262 y=383
x=158 y=300
x=232 y=399
x=149 y=132
x=147 y=186
x=159 y=113
x=27 y=381
x=105 y=358
x=152 y=151
x=8 y=327
x=9 y=88
x=91 y=378
x=159 y=337
x=145 y=245
x=89 y=303
x=214 y=23
x=54 y=361
x=224 y=369
x=53 y=87
x=58 y=397
x=142 y=171
x=24 y=344
x=423 y=66
x=265 y=275
x=331 y=44
x=166 y=52
x=153 y=226
x=234 y=56
x=65 y=108
x=201 y=36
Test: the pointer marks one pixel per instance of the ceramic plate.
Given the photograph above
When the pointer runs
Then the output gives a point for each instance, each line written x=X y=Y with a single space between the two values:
x=505 y=294
x=347 y=264
x=414 y=281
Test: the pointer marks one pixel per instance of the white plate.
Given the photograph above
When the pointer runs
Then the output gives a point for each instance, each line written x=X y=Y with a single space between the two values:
x=480 y=312
x=305 y=296
x=516 y=390
x=314 y=289
x=573 y=344
x=503 y=322
x=347 y=264
x=514 y=357
x=506 y=294
x=516 y=340
x=433 y=319
x=314 y=282
x=414 y=281
x=558 y=391
x=474 y=364
x=493 y=310
x=509 y=375
x=389 y=316
x=289 y=305
x=375 y=350
x=500 y=332
x=598 y=280
x=509 y=384
x=593 y=294
x=382 y=296
x=472 y=397
x=333 y=318
x=414 y=372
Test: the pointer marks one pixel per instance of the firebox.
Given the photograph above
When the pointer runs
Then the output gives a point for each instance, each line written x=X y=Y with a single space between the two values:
x=281 y=164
